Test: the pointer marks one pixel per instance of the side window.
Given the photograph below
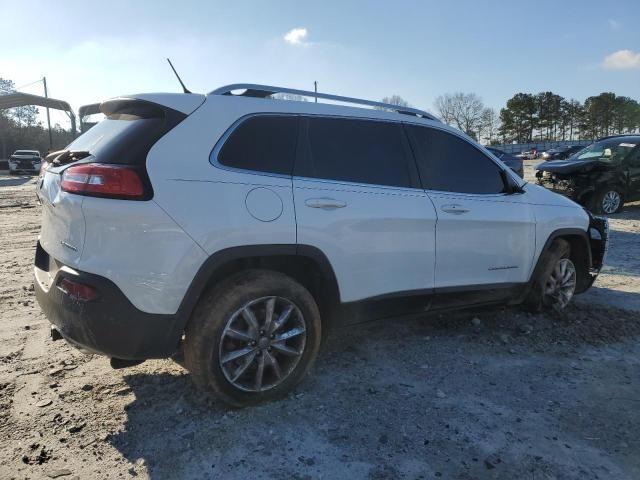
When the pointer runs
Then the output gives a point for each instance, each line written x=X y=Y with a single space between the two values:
x=634 y=158
x=351 y=150
x=264 y=143
x=449 y=164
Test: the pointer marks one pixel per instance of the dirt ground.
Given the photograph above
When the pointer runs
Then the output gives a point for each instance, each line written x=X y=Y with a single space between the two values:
x=492 y=393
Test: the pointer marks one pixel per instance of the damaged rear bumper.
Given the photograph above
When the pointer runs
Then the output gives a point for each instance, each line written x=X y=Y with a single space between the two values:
x=108 y=324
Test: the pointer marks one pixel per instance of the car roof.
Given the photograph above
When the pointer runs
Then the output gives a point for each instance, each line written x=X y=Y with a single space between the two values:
x=635 y=136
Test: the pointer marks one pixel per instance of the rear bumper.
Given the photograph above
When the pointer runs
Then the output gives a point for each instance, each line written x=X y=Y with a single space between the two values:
x=109 y=325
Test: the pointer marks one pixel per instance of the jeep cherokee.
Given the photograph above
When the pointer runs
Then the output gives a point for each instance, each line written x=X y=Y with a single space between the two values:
x=236 y=228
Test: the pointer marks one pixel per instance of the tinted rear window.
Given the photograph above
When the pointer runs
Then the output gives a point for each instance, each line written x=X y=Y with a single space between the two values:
x=128 y=132
x=450 y=164
x=263 y=143
x=359 y=151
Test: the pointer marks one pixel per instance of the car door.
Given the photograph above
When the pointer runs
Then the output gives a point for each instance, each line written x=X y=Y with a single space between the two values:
x=359 y=201
x=484 y=237
x=632 y=163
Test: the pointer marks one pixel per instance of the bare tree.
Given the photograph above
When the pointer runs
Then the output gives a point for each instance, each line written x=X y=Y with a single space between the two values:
x=461 y=110
x=490 y=126
x=396 y=100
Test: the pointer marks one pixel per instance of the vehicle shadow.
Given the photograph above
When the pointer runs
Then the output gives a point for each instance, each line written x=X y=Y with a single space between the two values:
x=611 y=296
x=336 y=418
x=14 y=180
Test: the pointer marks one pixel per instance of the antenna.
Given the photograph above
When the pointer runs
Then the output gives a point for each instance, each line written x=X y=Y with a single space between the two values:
x=185 y=89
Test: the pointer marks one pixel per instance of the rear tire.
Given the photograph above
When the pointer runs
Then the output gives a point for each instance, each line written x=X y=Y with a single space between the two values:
x=555 y=281
x=253 y=337
x=607 y=201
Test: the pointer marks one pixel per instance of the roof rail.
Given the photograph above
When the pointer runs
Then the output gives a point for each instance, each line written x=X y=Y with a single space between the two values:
x=263 y=91
x=620 y=135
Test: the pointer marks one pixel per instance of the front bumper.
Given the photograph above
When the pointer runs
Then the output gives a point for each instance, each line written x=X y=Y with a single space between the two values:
x=24 y=167
x=599 y=244
x=109 y=325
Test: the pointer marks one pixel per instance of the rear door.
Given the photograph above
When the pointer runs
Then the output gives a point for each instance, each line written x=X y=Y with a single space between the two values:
x=358 y=199
x=484 y=237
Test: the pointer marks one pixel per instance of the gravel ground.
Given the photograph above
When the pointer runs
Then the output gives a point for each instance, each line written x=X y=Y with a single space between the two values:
x=491 y=393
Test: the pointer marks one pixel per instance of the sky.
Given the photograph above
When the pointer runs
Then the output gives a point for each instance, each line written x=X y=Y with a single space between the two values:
x=91 y=50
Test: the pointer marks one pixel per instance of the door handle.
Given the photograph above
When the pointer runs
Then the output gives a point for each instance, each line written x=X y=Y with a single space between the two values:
x=325 y=203
x=454 y=208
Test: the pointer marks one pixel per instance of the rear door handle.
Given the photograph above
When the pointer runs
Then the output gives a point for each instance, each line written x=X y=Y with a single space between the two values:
x=325 y=203
x=454 y=208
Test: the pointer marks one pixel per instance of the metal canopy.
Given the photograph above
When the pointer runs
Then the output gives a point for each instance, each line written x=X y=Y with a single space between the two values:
x=11 y=100
x=90 y=109
x=18 y=99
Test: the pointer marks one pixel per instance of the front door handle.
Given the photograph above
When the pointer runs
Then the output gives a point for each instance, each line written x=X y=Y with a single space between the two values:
x=454 y=208
x=325 y=203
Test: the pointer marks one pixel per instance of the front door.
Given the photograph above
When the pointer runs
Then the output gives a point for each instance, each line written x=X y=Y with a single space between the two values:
x=484 y=237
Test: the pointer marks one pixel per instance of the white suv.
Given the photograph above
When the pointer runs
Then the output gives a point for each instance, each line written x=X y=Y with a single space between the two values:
x=238 y=227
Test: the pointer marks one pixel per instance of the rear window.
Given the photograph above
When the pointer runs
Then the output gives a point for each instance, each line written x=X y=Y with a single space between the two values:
x=265 y=143
x=127 y=133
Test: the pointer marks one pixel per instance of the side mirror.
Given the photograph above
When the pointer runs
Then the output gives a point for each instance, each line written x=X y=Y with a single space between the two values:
x=510 y=185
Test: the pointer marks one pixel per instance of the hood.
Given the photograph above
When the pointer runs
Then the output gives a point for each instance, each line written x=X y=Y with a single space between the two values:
x=538 y=195
x=569 y=166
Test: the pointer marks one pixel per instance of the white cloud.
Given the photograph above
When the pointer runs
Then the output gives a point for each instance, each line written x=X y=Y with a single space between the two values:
x=622 y=60
x=296 y=36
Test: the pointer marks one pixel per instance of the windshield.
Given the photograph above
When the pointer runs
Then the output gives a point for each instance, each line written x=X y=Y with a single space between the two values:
x=610 y=150
x=28 y=153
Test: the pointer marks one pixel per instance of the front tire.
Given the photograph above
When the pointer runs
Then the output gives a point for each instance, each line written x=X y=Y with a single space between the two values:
x=555 y=282
x=253 y=337
x=608 y=201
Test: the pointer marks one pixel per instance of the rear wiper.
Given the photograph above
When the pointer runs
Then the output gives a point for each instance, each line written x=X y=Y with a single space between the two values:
x=63 y=157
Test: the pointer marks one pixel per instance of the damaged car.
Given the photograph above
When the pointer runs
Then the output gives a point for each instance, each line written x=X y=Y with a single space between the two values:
x=602 y=177
x=233 y=230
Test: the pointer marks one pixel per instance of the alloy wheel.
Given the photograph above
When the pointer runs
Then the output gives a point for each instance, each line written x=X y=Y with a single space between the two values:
x=262 y=343
x=561 y=283
x=611 y=202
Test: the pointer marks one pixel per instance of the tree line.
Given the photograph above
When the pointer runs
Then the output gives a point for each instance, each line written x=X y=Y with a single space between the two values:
x=550 y=117
x=541 y=117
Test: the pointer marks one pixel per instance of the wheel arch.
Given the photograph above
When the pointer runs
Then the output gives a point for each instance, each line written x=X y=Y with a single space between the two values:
x=306 y=264
x=580 y=255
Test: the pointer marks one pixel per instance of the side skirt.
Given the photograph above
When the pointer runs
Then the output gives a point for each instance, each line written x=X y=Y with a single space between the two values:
x=423 y=301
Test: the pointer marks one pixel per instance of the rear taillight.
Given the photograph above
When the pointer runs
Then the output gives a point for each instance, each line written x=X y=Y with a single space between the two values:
x=77 y=290
x=100 y=180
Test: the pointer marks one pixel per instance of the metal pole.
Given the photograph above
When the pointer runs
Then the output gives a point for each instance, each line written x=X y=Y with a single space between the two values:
x=44 y=80
x=315 y=89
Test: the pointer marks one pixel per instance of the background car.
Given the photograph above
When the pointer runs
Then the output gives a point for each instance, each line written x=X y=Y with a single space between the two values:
x=560 y=153
x=27 y=161
x=601 y=177
x=530 y=154
x=511 y=161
